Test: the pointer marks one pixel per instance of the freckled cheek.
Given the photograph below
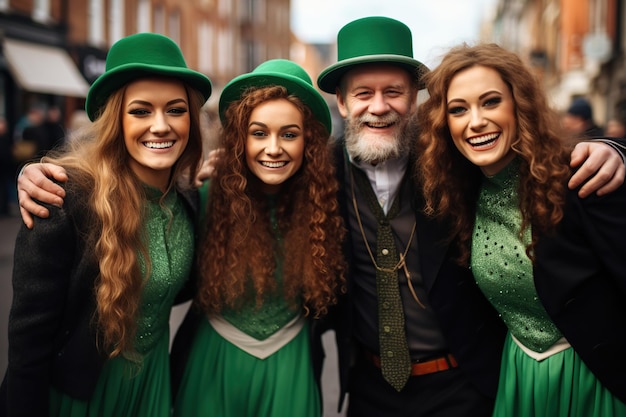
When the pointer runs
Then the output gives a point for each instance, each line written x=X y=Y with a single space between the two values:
x=456 y=131
x=250 y=152
x=297 y=153
x=298 y=162
x=250 y=159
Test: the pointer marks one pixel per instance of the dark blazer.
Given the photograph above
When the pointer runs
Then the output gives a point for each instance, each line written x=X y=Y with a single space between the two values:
x=52 y=340
x=472 y=329
x=580 y=276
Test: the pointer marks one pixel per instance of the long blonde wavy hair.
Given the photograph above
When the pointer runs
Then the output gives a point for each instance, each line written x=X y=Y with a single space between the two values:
x=97 y=163
x=237 y=247
x=450 y=182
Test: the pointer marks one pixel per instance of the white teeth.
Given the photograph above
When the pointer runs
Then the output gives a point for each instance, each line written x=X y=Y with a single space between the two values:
x=159 y=145
x=377 y=124
x=273 y=164
x=477 y=141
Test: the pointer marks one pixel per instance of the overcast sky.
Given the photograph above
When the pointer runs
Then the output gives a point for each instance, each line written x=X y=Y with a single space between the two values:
x=436 y=25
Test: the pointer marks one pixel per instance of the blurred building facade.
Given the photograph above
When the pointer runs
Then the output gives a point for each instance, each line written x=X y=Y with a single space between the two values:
x=53 y=49
x=575 y=46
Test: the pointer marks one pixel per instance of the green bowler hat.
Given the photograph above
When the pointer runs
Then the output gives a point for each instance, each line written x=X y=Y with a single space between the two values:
x=280 y=72
x=138 y=56
x=374 y=39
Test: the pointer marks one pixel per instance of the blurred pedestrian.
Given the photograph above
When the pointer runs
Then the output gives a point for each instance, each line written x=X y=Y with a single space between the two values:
x=7 y=166
x=54 y=127
x=615 y=128
x=578 y=121
x=33 y=139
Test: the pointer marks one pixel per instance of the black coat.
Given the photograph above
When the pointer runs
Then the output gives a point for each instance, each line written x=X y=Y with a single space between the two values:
x=56 y=347
x=580 y=276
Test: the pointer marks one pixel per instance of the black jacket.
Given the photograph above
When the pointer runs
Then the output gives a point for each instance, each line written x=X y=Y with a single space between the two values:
x=470 y=325
x=580 y=276
x=59 y=348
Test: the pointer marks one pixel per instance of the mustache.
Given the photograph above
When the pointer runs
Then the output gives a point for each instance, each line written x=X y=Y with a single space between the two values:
x=386 y=119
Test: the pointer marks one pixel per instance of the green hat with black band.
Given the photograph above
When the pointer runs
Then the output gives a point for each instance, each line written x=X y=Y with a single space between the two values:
x=138 y=56
x=280 y=72
x=370 y=40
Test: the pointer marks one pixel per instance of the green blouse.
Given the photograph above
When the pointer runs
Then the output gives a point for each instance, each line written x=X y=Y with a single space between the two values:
x=170 y=238
x=500 y=265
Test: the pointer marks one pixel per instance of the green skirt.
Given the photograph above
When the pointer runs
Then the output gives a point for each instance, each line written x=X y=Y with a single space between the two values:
x=124 y=389
x=559 y=386
x=222 y=380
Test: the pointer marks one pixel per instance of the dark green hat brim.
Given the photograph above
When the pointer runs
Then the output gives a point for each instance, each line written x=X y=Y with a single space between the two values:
x=114 y=79
x=330 y=77
x=294 y=85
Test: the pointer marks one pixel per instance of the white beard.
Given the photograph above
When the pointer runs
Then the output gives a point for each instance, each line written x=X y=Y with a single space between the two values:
x=374 y=148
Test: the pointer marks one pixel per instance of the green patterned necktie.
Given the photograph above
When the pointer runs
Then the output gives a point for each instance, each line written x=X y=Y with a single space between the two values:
x=395 y=362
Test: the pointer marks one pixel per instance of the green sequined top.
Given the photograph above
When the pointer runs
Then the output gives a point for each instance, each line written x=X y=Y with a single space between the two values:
x=170 y=234
x=275 y=312
x=501 y=268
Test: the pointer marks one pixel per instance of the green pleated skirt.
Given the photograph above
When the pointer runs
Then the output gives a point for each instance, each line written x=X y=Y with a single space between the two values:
x=221 y=380
x=559 y=386
x=123 y=389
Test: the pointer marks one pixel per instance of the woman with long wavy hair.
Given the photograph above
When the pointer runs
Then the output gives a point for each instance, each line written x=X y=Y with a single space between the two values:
x=270 y=256
x=94 y=283
x=491 y=162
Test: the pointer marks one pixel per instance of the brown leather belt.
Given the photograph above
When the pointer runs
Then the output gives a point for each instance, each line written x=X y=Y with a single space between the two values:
x=426 y=367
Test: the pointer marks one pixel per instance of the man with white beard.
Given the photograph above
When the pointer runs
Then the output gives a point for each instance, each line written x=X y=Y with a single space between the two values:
x=426 y=345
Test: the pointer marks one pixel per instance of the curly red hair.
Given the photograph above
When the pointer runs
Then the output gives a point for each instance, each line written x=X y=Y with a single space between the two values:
x=450 y=182
x=237 y=249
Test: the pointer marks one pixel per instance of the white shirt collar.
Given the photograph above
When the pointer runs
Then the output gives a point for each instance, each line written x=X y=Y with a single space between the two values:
x=385 y=178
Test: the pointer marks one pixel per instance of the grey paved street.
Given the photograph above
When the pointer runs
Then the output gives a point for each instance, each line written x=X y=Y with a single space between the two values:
x=8 y=230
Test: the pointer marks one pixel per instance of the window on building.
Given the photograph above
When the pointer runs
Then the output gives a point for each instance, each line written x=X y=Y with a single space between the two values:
x=95 y=28
x=41 y=11
x=206 y=41
x=143 y=16
x=173 y=26
x=159 y=19
x=116 y=20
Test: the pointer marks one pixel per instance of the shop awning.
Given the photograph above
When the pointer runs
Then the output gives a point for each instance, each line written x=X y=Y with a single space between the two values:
x=44 y=69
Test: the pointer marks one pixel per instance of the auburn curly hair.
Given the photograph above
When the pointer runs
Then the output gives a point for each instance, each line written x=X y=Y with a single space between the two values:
x=450 y=182
x=237 y=250
x=97 y=163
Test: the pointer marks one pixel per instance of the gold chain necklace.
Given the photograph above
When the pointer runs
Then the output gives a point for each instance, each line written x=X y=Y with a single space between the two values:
x=402 y=262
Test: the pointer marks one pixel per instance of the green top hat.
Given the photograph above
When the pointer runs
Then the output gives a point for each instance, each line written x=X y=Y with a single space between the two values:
x=371 y=40
x=278 y=72
x=137 y=56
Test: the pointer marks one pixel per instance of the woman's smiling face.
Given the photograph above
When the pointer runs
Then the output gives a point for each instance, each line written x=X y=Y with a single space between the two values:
x=275 y=143
x=156 y=123
x=481 y=117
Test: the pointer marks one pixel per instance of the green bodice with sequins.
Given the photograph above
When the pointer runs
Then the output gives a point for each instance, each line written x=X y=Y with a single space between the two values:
x=262 y=321
x=501 y=268
x=170 y=235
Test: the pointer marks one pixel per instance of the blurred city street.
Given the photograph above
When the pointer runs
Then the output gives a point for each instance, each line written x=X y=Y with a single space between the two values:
x=8 y=230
